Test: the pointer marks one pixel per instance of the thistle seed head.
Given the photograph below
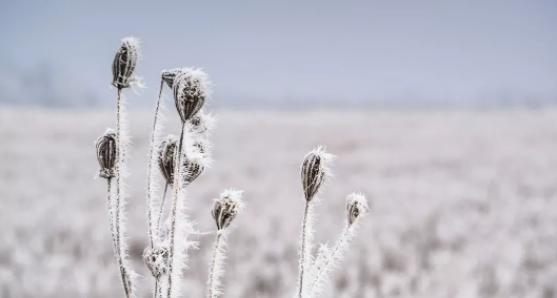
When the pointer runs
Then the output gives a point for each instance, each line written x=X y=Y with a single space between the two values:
x=106 y=154
x=157 y=260
x=314 y=169
x=125 y=62
x=226 y=207
x=167 y=151
x=168 y=76
x=356 y=206
x=191 y=89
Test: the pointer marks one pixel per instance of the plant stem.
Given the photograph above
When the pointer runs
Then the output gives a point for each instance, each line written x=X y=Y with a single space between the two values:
x=215 y=264
x=161 y=209
x=118 y=211
x=304 y=248
x=177 y=184
x=150 y=174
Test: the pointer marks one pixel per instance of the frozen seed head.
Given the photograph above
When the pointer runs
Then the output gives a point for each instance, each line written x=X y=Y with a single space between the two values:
x=156 y=259
x=167 y=151
x=356 y=205
x=191 y=89
x=168 y=76
x=106 y=153
x=314 y=169
x=226 y=207
x=201 y=123
x=125 y=62
x=194 y=165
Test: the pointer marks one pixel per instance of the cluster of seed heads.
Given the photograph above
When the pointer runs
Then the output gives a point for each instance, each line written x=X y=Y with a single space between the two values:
x=180 y=165
x=106 y=154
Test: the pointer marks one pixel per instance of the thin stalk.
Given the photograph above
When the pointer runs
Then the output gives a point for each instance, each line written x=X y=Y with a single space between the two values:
x=118 y=211
x=161 y=209
x=177 y=187
x=111 y=214
x=304 y=248
x=340 y=245
x=150 y=174
x=216 y=265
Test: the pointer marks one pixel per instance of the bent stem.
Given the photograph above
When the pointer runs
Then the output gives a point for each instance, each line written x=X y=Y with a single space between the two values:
x=216 y=269
x=161 y=209
x=305 y=248
x=177 y=188
x=331 y=260
x=117 y=208
x=153 y=159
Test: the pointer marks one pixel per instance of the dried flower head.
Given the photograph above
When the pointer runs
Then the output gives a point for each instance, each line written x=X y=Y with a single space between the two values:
x=191 y=89
x=106 y=153
x=356 y=205
x=226 y=207
x=314 y=169
x=201 y=123
x=125 y=62
x=167 y=151
x=157 y=260
x=194 y=164
x=168 y=76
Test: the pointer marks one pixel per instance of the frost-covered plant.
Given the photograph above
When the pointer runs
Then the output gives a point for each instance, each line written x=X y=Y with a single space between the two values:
x=111 y=154
x=225 y=209
x=314 y=271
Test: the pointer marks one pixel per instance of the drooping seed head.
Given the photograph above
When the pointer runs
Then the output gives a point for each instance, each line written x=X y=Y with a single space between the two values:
x=315 y=168
x=106 y=154
x=167 y=151
x=191 y=89
x=125 y=62
x=157 y=260
x=168 y=76
x=356 y=207
x=226 y=207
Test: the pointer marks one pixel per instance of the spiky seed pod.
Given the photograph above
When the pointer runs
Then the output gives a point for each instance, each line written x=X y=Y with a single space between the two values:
x=226 y=207
x=314 y=170
x=356 y=206
x=156 y=259
x=106 y=154
x=191 y=89
x=193 y=168
x=168 y=76
x=124 y=63
x=167 y=151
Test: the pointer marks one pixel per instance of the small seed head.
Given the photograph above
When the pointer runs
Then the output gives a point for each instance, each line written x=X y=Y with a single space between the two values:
x=106 y=154
x=167 y=152
x=191 y=89
x=157 y=260
x=168 y=76
x=356 y=206
x=226 y=207
x=193 y=167
x=314 y=170
x=124 y=63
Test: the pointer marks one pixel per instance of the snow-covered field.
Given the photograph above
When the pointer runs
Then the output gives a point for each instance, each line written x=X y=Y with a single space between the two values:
x=464 y=203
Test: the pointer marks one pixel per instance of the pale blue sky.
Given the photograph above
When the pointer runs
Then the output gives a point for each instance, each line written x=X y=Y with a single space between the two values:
x=287 y=52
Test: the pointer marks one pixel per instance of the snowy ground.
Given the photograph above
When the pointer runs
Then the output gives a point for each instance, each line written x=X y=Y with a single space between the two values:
x=464 y=203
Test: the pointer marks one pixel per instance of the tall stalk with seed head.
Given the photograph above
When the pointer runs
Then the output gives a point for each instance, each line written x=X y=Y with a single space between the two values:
x=225 y=209
x=314 y=170
x=328 y=259
x=190 y=89
x=123 y=68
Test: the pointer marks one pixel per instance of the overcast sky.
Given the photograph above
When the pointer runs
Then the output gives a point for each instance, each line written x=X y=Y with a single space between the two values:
x=287 y=52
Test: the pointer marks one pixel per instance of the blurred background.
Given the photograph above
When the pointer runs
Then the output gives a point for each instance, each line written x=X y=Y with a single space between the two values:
x=441 y=112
